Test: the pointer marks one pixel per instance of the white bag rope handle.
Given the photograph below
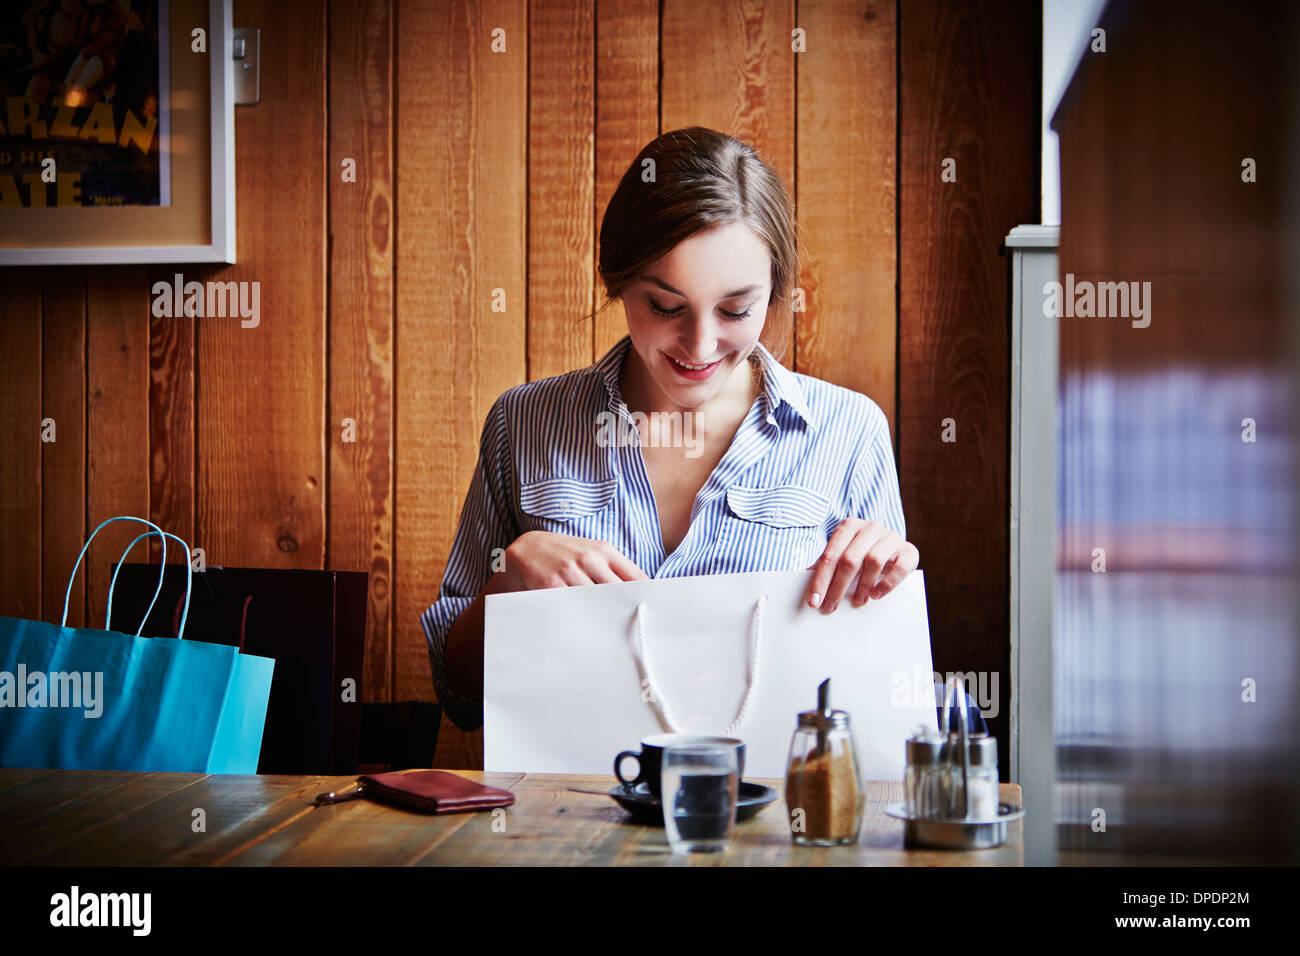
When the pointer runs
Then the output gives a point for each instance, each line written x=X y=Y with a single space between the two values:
x=657 y=699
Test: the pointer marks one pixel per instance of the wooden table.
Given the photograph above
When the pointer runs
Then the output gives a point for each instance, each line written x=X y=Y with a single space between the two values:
x=111 y=818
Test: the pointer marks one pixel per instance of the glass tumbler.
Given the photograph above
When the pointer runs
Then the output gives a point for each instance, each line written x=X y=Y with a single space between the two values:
x=700 y=783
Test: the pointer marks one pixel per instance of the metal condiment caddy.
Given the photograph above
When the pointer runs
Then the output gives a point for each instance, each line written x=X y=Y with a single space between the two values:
x=951 y=787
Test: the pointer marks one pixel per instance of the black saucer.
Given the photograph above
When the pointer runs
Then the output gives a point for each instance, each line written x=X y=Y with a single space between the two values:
x=645 y=807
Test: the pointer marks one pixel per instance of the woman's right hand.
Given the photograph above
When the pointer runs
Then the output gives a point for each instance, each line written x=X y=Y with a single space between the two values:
x=544 y=559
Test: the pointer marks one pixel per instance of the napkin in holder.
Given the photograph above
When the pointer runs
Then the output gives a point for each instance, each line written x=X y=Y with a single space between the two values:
x=428 y=791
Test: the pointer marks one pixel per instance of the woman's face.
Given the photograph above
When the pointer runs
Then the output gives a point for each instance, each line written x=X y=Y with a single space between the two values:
x=696 y=314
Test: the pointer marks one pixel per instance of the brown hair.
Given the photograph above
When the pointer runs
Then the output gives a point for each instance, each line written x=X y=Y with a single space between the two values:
x=702 y=178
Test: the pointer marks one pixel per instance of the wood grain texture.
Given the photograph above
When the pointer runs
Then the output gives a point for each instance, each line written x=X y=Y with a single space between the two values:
x=20 y=436
x=63 y=461
x=561 y=251
x=44 y=815
x=359 y=511
x=171 y=421
x=357 y=831
x=160 y=825
x=117 y=422
x=261 y=390
x=461 y=235
x=730 y=67
x=627 y=118
x=968 y=92
x=16 y=777
x=847 y=114
x=86 y=818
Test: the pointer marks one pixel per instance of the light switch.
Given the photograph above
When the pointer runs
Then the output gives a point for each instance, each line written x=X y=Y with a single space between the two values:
x=245 y=50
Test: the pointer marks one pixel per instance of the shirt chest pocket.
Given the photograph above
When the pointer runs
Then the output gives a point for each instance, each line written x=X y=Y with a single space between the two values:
x=566 y=505
x=782 y=527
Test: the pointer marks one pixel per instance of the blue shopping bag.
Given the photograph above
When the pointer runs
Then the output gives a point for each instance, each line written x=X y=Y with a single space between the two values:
x=79 y=698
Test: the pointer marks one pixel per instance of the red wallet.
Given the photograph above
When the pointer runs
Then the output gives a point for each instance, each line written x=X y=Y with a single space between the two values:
x=433 y=791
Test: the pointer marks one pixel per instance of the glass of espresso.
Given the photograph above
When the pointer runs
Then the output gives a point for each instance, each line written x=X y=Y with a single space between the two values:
x=700 y=782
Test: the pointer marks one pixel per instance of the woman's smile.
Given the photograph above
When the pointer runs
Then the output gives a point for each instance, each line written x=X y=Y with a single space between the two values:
x=694 y=372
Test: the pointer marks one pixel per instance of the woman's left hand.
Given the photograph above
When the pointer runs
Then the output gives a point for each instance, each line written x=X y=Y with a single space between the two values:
x=867 y=549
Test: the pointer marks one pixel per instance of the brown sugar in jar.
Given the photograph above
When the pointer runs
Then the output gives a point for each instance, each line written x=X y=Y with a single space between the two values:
x=823 y=790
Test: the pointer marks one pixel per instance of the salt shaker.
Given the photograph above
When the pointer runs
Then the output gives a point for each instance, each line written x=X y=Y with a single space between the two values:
x=924 y=786
x=982 y=778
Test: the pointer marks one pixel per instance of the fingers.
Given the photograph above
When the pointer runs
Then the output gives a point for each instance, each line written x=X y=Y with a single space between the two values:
x=607 y=565
x=540 y=560
x=872 y=589
x=825 y=565
x=839 y=563
x=623 y=568
x=572 y=574
x=903 y=565
x=599 y=569
x=870 y=552
x=598 y=562
x=854 y=559
x=877 y=559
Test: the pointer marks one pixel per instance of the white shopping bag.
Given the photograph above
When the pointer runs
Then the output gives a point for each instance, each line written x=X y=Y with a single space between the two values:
x=572 y=676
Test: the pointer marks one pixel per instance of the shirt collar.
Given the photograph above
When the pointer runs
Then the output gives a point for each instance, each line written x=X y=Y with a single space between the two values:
x=780 y=386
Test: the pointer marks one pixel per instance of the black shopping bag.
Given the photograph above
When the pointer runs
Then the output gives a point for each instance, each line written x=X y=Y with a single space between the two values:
x=312 y=623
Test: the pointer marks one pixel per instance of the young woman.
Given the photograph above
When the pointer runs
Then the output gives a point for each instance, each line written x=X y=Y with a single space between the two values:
x=688 y=449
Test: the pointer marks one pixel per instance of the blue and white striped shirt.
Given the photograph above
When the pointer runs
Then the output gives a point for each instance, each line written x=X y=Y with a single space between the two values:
x=807 y=455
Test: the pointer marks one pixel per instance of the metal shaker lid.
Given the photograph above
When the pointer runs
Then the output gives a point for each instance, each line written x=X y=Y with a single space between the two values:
x=923 y=752
x=824 y=720
x=924 y=747
x=983 y=751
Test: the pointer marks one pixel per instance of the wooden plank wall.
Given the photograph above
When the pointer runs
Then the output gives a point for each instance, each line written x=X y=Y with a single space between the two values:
x=460 y=262
x=970 y=92
x=462 y=246
x=20 y=429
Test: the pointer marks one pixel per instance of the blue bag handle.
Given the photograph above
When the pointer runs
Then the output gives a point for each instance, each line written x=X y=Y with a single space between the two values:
x=162 y=570
x=67 y=595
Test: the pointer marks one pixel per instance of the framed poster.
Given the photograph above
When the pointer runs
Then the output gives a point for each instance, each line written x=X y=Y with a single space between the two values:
x=117 y=132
